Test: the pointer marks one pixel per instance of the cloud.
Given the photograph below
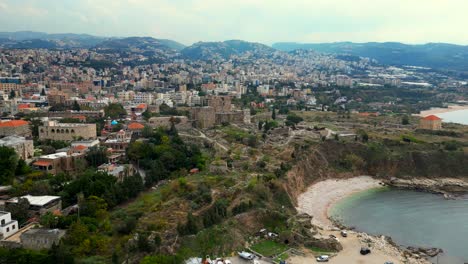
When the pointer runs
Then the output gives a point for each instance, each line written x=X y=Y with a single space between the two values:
x=264 y=21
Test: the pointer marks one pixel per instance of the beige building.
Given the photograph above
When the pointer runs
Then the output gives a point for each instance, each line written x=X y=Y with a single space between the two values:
x=15 y=128
x=67 y=132
x=165 y=121
x=23 y=147
x=60 y=162
x=431 y=122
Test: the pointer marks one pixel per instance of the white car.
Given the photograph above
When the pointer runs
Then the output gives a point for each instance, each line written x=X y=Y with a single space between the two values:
x=323 y=258
x=246 y=255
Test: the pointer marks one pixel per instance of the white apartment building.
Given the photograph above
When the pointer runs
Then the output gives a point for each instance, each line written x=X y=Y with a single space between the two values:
x=8 y=227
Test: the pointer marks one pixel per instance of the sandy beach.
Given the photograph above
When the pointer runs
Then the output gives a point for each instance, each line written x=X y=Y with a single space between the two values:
x=318 y=198
x=435 y=111
x=317 y=201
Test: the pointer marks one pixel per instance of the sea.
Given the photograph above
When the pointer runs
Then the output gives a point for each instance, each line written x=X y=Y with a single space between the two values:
x=460 y=117
x=410 y=218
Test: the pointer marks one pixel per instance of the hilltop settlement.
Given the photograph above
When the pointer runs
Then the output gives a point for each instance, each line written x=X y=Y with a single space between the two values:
x=139 y=150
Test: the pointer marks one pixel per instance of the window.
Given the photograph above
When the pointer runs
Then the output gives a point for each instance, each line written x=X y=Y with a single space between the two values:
x=73 y=130
x=8 y=229
x=67 y=131
x=3 y=221
x=53 y=131
x=13 y=227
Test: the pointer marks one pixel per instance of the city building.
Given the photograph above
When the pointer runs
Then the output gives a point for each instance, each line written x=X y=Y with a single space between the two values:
x=8 y=227
x=431 y=122
x=67 y=132
x=22 y=146
x=180 y=122
x=15 y=128
x=60 y=162
x=120 y=171
x=41 y=238
x=40 y=205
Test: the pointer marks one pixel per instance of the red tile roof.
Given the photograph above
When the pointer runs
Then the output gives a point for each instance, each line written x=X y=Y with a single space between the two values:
x=141 y=106
x=432 y=118
x=135 y=126
x=80 y=147
x=42 y=163
x=23 y=106
x=14 y=123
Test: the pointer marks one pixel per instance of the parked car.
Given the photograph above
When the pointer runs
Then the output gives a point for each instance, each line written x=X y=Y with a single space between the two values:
x=388 y=262
x=365 y=251
x=246 y=255
x=323 y=258
x=344 y=233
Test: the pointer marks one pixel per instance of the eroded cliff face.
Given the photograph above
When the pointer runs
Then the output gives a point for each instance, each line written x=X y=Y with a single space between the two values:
x=333 y=159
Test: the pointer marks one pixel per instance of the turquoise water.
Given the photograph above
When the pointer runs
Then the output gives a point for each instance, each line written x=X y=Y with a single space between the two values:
x=411 y=218
x=460 y=117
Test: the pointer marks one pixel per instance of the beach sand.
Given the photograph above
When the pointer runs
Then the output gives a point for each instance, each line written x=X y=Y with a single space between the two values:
x=317 y=201
x=318 y=198
x=435 y=111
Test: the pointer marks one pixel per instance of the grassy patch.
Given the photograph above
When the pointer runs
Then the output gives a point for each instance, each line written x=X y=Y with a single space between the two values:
x=281 y=257
x=269 y=248
x=320 y=250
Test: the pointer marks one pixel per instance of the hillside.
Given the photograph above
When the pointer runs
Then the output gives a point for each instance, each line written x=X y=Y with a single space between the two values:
x=32 y=40
x=142 y=43
x=432 y=55
x=225 y=49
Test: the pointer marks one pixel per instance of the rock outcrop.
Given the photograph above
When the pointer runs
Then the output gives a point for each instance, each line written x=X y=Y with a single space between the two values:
x=446 y=186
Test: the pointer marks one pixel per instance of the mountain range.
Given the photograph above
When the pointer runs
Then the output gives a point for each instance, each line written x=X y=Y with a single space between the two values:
x=432 y=55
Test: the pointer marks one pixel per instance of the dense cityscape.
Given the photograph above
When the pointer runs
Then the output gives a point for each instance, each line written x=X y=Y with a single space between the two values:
x=144 y=150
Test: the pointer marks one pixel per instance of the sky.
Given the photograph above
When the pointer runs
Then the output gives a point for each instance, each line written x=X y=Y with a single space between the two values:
x=265 y=21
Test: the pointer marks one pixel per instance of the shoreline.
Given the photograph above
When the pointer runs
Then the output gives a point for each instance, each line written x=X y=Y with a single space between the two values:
x=320 y=197
x=438 y=110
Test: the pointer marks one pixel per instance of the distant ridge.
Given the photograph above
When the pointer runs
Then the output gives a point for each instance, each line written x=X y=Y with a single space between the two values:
x=225 y=49
x=432 y=55
x=32 y=40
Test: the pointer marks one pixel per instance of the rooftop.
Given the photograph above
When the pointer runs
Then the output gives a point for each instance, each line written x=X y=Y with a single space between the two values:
x=14 y=123
x=135 y=126
x=44 y=232
x=54 y=156
x=37 y=200
x=12 y=140
x=432 y=118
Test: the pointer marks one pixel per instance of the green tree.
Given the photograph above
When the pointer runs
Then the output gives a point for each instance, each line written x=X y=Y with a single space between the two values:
x=76 y=106
x=93 y=206
x=405 y=120
x=19 y=210
x=293 y=119
x=8 y=164
x=273 y=113
x=115 y=111
x=96 y=156
x=147 y=131
x=12 y=95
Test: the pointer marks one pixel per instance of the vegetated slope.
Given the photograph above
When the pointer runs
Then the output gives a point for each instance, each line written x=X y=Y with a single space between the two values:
x=385 y=159
x=142 y=43
x=225 y=49
x=432 y=55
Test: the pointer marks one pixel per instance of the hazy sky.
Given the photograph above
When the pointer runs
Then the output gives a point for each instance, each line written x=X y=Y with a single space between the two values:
x=266 y=21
